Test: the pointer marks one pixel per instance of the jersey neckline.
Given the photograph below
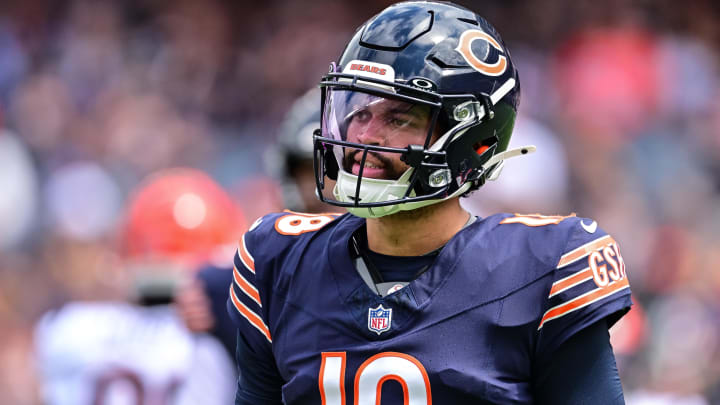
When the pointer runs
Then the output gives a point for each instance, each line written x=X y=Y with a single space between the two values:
x=351 y=285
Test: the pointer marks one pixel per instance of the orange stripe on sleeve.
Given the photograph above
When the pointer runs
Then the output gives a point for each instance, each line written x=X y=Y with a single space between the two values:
x=583 y=301
x=251 y=316
x=245 y=255
x=245 y=286
x=584 y=250
x=570 y=281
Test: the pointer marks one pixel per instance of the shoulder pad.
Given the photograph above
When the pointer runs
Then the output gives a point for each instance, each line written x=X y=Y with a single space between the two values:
x=589 y=282
x=266 y=250
x=542 y=237
x=273 y=233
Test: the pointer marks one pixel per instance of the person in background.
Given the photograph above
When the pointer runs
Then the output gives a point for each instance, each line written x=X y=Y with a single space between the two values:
x=127 y=344
x=290 y=159
x=290 y=163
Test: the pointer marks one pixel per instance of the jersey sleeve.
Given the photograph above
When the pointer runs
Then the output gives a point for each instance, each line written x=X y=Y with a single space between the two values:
x=262 y=253
x=582 y=371
x=263 y=264
x=589 y=283
x=245 y=304
x=246 y=309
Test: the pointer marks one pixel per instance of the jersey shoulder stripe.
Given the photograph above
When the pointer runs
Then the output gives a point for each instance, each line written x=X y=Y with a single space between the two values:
x=254 y=319
x=584 y=250
x=584 y=300
x=245 y=286
x=570 y=282
x=244 y=254
x=260 y=251
x=245 y=296
x=591 y=270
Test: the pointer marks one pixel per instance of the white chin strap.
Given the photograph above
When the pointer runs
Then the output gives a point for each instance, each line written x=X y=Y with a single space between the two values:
x=380 y=190
x=501 y=157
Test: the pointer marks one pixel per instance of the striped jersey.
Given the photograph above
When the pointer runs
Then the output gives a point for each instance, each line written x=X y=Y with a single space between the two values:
x=500 y=298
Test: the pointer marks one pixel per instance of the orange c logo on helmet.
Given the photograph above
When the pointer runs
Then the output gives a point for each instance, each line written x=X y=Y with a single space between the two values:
x=464 y=48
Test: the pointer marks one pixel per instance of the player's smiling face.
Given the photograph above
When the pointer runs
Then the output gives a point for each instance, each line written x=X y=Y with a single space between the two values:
x=384 y=122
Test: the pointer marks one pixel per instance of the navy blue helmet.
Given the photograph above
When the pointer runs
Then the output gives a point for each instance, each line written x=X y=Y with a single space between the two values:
x=445 y=70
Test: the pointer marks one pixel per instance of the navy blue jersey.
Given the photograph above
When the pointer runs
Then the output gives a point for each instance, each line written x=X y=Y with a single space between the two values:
x=497 y=302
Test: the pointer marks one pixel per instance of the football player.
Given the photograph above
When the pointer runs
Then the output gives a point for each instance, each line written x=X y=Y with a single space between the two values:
x=408 y=298
x=137 y=350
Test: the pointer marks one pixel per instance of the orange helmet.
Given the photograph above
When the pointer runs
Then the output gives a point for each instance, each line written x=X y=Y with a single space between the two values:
x=183 y=216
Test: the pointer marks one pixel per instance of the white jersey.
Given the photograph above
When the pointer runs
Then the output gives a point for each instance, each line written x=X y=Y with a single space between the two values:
x=643 y=397
x=110 y=353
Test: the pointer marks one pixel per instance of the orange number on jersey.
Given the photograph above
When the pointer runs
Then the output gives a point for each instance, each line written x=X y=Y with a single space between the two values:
x=297 y=223
x=535 y=219
x=370 y=377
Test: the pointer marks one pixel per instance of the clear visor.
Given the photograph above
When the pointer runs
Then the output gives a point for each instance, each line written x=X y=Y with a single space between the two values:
x=370 y=127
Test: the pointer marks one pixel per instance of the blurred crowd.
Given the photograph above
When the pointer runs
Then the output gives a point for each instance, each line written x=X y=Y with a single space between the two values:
x=621 y=97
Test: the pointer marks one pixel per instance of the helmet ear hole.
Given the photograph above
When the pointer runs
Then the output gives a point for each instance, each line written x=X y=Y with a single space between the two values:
x=483 y=146
x=330 y=163
x=480 y=149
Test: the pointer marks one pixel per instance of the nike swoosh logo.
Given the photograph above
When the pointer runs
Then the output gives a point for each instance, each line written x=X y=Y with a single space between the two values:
x=589 y=228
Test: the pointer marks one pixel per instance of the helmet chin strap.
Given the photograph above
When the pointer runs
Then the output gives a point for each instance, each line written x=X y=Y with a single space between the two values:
x=500 y=158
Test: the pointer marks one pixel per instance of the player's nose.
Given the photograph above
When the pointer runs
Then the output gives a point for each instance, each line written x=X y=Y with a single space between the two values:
x=372 y=133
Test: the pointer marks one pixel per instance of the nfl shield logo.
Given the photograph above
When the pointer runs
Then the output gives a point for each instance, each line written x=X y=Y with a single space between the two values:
x=379 y=319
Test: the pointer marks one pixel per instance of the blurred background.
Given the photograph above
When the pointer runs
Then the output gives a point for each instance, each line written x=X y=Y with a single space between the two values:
x=622 y=99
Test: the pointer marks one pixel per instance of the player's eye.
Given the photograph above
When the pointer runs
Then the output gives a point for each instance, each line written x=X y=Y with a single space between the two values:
x=360 y=116
x=399 y=122
x=402 y=120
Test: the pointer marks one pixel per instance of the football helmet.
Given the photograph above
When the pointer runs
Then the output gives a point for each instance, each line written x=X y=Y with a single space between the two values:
x=293 y=151
x=180 y=216
x=432 y=67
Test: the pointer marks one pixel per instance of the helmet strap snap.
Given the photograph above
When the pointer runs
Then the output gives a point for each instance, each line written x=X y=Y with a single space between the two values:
x=487 y=104
x=413 y=156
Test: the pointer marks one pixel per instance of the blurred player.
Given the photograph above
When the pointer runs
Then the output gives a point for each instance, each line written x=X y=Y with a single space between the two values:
x=409 y=298
x=290 y=163
x=138 y=351
x=290 y=160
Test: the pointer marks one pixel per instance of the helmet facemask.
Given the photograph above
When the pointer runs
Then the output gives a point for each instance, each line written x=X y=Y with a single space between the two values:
x=385 y=145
